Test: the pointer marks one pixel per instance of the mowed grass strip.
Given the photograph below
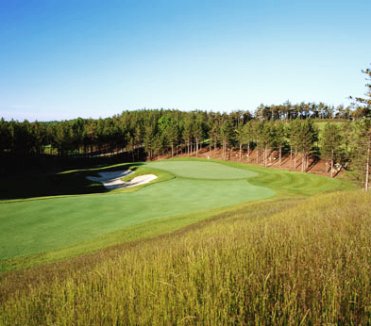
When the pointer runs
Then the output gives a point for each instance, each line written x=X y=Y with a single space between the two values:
x=305 y=265
x=289 y=183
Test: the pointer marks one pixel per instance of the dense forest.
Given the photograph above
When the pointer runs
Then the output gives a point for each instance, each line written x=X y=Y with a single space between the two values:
x=286 y=129
x=159 y=131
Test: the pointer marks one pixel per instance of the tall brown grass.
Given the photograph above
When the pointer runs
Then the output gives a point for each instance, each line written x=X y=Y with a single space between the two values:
x=307 y=264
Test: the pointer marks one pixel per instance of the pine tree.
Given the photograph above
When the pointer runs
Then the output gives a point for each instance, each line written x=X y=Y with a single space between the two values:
x=361 y=151
x=264 y=139
x=227 y=135
x=248 y=136
x=363 y=146
x=331 y=142
x=279 y=139
x=303 y=136
x=188 y=131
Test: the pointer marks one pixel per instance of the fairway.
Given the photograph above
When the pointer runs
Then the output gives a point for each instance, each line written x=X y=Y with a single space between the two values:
x=42 y=225
x=31 y=227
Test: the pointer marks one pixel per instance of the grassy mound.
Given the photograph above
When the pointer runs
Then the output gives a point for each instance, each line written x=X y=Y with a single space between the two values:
x=289 y=262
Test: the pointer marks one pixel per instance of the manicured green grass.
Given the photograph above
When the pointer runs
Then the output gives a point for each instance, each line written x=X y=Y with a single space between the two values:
x=282 y=263
x=285 y=183
x=185 y=192
x=202 y=170
x=34 y=226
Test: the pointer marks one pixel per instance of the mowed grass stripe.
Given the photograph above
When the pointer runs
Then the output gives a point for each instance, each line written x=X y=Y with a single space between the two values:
x=288 y=183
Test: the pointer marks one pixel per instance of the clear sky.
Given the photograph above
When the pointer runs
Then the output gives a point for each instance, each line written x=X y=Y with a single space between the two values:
x=67 y=58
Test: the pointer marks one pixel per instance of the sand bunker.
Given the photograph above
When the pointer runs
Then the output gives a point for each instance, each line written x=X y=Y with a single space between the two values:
x=112 y=180
x=141 y=179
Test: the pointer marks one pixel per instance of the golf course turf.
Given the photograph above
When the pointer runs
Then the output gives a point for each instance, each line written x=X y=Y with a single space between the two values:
x=184 y=188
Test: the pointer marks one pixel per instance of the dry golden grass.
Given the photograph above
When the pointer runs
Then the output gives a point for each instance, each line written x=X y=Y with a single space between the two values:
x=285 y=262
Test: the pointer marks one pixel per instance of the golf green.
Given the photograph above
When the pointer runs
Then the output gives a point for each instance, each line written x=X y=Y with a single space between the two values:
x=30 y=227
x=202 y=170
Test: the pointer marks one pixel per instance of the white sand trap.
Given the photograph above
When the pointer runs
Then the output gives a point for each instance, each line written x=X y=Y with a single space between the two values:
x=140 y=180
x=112 y=180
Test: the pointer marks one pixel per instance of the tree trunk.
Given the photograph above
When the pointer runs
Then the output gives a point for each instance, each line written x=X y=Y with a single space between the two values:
x=368 y=163
x=172 y=150
x=295 y=157
x=265 y=156
x=248 y=152
x=240 y=152
x=280 y=155
x=302 y=162
x=133 y=153
x=306 y=166
x=291 y=157
x=332 y=164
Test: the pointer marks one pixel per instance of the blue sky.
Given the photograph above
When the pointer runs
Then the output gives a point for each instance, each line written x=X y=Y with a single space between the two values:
x=61 y=59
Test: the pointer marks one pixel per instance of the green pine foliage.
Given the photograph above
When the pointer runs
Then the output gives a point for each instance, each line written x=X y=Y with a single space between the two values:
x=331 y=145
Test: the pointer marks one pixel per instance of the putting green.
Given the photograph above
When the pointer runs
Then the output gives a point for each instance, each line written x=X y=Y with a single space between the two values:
x=30 y=227
x=202 y=170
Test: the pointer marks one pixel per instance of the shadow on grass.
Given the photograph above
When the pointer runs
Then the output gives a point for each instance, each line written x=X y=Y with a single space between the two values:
x=55 y=182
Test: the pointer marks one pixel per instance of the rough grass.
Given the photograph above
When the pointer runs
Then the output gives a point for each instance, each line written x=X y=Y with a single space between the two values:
x=308 y=264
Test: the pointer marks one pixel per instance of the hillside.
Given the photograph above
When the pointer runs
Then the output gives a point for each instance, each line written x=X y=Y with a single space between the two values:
x=43 y=229
x=294 y=261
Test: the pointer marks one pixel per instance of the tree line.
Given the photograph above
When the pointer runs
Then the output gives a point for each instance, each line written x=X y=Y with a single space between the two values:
x=155 y=129
x=282 y=129
x=303 y=110
x=171 y=132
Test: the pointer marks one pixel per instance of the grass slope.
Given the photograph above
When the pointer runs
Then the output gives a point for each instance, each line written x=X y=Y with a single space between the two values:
x=31 y=227
x=284 y=183
x=308 y=264
x=75 y=224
